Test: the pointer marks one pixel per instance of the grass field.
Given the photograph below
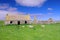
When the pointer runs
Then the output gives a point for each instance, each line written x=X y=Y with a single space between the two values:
x=15 y=32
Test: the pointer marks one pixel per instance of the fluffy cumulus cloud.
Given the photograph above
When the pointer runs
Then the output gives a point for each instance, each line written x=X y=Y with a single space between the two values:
x=31 y=3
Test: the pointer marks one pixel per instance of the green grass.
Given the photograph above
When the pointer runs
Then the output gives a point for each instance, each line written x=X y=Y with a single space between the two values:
x=15 y=32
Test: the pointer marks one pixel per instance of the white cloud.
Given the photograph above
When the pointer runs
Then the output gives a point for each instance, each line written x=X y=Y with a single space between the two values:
x=31 y=3
x=50 y=8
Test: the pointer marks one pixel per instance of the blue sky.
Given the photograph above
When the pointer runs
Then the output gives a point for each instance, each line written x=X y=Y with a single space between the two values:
x=48 y=8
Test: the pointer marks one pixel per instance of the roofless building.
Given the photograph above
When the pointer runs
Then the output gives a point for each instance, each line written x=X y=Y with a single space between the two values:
x=17 y=19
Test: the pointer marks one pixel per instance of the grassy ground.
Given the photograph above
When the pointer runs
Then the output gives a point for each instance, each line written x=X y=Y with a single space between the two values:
x=15 y=32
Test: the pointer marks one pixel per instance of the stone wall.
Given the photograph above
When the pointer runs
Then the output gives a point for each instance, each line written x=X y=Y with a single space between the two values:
x=16 y=21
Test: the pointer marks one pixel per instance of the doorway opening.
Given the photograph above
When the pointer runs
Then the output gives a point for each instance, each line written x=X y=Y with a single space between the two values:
x=25 y=22
x=11 y=22
x=18 y=22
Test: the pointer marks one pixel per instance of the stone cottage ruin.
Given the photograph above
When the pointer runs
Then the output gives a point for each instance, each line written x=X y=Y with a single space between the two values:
x=25 y=19
x=17 y=19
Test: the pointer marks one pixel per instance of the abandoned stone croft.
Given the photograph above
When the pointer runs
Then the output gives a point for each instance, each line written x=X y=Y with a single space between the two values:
x=24 y=19
x=17 y=19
